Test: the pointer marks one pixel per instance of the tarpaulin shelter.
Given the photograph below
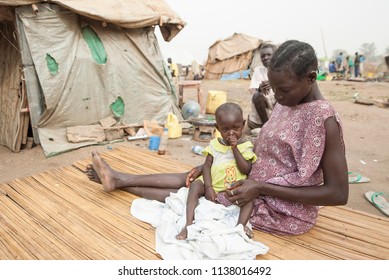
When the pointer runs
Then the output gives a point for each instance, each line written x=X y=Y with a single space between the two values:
x=65 y=62
x=234 y=54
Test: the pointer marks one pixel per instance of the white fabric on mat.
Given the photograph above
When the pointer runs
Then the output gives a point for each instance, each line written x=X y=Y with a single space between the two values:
x=213 y=235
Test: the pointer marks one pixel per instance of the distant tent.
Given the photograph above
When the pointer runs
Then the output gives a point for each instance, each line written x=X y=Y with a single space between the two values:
x=64 y=64
x=234 y=54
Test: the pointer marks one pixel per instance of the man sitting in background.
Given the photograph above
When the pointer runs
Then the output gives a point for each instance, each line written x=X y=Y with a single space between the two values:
x=263 y=97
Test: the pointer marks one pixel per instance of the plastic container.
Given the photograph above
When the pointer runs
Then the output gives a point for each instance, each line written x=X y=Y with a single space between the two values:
x=197 y=149
x=154 y=142
x=173 y=126
x=163 y=142
x=215 y=99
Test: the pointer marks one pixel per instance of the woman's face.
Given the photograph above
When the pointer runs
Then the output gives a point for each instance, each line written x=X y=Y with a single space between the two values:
x=289 y=90
x=230 y=124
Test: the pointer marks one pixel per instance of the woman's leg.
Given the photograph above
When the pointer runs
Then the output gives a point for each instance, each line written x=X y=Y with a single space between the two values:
x=152 y=186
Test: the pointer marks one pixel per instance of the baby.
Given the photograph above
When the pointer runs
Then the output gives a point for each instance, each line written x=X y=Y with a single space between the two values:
x=228 y=160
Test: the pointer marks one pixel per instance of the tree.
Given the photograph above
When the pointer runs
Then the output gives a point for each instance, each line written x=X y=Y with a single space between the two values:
x=387 y=51
x=368 y=49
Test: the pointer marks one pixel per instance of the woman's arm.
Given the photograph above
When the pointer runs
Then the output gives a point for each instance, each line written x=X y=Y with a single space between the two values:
x=334 y=190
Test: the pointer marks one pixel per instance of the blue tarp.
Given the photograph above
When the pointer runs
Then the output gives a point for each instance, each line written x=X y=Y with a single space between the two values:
x=235 y=75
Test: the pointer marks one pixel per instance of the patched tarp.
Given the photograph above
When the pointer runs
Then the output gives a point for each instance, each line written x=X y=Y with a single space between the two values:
x=124 y=13
x=81 y=90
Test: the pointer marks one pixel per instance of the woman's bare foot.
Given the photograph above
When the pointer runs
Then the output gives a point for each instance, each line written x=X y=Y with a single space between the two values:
x=105 y=174
x=92 y=174
x=183 y=234
x=248 y=232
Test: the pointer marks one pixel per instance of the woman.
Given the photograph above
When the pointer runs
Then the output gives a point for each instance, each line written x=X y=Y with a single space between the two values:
x=301 y=158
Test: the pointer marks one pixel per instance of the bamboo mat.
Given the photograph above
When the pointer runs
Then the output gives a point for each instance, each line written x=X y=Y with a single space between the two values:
x=60 y=214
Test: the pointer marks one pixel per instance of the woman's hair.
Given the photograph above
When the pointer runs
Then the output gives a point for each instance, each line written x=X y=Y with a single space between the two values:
x=228 y=108
x=300 y=57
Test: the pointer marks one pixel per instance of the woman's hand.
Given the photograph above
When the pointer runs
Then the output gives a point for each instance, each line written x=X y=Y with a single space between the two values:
x=193 y=175
x=243 y=191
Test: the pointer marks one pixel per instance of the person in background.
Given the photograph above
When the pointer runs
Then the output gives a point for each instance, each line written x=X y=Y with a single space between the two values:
x=357 y=62
x=332 y=67
x=262 y=95
x=228 y=160
x=301 y=161
x=196 y=70
x=361 y=64
x=350 y=67
x=173 y=70
x=339 y=61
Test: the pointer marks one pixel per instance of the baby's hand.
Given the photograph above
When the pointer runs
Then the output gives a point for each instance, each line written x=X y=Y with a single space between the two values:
x=232 y=140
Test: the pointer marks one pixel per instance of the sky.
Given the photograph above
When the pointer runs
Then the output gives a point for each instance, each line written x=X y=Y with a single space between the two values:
x=327 y=25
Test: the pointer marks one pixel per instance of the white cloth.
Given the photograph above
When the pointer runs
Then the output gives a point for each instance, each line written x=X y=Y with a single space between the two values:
x=260 y=75
x=213 y=235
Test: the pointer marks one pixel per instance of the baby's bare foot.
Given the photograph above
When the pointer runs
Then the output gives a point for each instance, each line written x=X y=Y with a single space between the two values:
x=183 y=234
x=248 y=232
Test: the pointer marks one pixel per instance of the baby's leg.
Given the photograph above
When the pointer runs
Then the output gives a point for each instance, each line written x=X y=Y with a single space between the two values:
x=196 y=190
x=244 y=216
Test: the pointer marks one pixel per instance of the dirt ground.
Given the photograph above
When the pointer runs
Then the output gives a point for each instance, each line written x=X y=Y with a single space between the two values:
x=366 y=133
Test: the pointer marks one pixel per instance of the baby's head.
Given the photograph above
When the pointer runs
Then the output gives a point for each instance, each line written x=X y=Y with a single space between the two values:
x=229 y=120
